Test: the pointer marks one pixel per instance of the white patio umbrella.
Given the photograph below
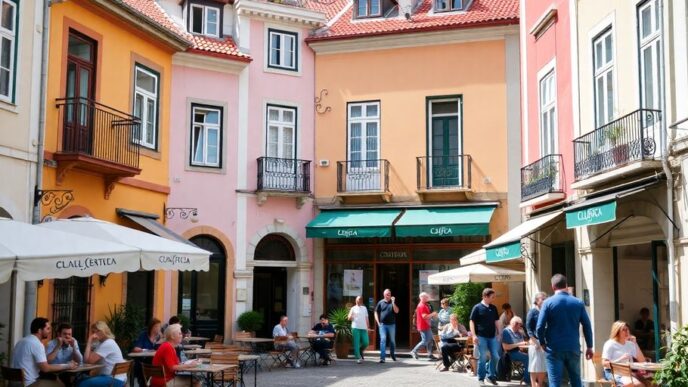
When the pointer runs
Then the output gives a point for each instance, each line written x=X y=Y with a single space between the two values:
x=41 y=253
x=156 y=253
x=476 y=273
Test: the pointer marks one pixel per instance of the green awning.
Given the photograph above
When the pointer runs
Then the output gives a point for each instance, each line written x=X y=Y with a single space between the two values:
x=508 y=245
x=443 y=222
x=352 y=224
x=503 y=252
x=594 y=214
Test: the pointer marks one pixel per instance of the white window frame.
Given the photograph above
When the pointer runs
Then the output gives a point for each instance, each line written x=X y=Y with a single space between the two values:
x=10 y=35
x=283 y=35
x=653 y=43
x=204 y=23
x=147 y=96
x=364 y=120
x=205 y=128
x=450 y=4
x=605 y=73
x=281 y=125
x=368 y=14
x=547 y=109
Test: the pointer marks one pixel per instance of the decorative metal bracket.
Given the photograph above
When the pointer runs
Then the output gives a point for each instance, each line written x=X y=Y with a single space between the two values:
x=55 y=199
x=183 y=212
x=318 y=103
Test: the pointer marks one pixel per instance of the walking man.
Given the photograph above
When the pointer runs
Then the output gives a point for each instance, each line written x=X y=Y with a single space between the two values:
x=557 y=330
x=423 y=324
x=386 y=318
x=484 y=323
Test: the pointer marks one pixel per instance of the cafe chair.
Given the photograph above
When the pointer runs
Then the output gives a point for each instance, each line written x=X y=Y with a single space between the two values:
x=600 y=380
x=280 y=357
x=219 y=339
x=228 y=377
x=13 y=376
x=621 y=369
x=122 y=368
x=150 y=371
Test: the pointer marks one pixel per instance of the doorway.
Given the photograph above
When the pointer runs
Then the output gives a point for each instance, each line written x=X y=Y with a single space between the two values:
x=140 y=292
x=269 y=296
x=445 y=143
x=395 y=277
x=81 y=67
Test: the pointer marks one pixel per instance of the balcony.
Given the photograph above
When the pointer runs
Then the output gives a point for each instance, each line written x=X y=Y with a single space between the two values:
x=624 y=146
x=443 y=177
x=97 y=138
x=283 y=177
x=359 y=181
x=542 y=181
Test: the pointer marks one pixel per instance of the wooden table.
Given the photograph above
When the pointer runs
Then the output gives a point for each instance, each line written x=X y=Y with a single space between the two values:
x=82 y=368
x=191 y=346
x=243 y=359
x=146 y=353
x=209 y=370
x=198 y=351
x=191 y=339
x=253 y=341
x=649 y=367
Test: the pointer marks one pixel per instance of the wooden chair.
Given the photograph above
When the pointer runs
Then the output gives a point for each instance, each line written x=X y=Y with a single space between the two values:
x=470 y=355
x=600 y=380
x=214 y=346
x=151 y=371
x=219 y=339
x=231 y=375
x=13 y=376
x=621 y=369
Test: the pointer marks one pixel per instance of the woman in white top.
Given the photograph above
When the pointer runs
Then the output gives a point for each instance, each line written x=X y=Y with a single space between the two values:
x=101 y=348
x=621 y=348
x=358 y=315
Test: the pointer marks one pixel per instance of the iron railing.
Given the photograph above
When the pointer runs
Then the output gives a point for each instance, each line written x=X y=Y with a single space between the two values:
x=438 y=172
x=542 y=177
x=363 y=175
x=93 y=129
x=285 y=175
x=630 y=138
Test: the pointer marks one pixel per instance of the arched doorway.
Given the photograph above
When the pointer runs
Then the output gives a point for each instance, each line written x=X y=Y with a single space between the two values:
x=270 y=282
x=202 y=293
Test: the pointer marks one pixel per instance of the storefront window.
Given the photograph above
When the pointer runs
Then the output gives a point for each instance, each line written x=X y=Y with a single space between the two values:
x=345 y=282
x=436 y=292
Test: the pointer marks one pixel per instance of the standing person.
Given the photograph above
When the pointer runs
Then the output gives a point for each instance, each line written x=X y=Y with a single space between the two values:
x=166 y=356
x=358 y=315
x=423 y=319
x=506 y=316
x=323 y=343
x=443 y=314
x=101 y=348
x=557 y=330
x=536 y=355
x=484 y=323
x=386 y=319
x=281 y=331
x=29 y=355
x=512 y=339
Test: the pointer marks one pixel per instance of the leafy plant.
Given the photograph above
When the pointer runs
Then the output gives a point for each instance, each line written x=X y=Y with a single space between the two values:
x=674 y=372
x=185 y=321
x=613 y=133
x=339 y=318
x=125 y=322
x=250 y=321
x=464 y=298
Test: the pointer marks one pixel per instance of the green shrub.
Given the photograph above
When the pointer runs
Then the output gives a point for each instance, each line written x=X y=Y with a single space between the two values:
x=464 y=298
x=674 y=372
x=126 y=323
x=250 y=321
x=339 y=318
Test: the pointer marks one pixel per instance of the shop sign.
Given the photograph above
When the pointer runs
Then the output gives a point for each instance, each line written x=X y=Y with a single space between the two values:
x=347 y=233
x=503 y=253
x=84 y=264
x=392 y=254
x=588 y=216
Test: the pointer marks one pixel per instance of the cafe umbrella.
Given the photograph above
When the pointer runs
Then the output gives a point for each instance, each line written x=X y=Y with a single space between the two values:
x=476 y=273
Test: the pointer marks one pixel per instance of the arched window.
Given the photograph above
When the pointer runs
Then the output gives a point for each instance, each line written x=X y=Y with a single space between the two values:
x=274 y=248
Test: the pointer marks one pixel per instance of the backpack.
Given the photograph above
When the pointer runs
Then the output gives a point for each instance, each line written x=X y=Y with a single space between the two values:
x=504 y=368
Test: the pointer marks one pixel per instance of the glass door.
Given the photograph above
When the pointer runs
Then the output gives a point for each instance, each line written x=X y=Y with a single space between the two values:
x=445 y=148
x=81 y=64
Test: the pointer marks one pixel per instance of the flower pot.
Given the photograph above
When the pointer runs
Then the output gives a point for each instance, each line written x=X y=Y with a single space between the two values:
x=620 y=154
x=342 y=348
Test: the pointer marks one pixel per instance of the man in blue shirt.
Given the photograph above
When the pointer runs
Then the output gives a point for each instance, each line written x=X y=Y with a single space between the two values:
x=484 y=323
x=512 y=339
x=64 y=348
x=557 y=329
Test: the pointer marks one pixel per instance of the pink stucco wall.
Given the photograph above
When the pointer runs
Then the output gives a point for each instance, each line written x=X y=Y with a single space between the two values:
x=553 y=43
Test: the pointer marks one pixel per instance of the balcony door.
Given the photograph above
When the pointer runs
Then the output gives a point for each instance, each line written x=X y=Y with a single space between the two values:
x=651 y=93
x=280 y=168
x=81 y=65
x=445 y=144
x=363 y=165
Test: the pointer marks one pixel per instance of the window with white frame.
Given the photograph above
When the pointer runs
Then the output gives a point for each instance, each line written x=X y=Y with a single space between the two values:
x=363 y=135
x=650 y=38
x=369 y=8
x=548 y=114
x=281 y=132
x=603 y=60
x=8 y=36
x=206 y=136
x=448 y=5
x=146 y=105
x=282 y=50
x=204 y=20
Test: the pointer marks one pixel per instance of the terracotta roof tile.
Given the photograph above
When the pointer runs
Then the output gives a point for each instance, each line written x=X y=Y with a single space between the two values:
x=224 y=46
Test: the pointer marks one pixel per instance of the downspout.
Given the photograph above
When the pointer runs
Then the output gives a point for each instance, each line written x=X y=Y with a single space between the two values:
x=30 y=291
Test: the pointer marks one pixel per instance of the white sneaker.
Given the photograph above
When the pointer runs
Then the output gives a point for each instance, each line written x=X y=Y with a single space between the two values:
x=298 y=365
x=359 y=361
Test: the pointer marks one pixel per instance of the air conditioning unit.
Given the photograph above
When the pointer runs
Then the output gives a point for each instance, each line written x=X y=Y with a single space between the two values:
x=324 y=163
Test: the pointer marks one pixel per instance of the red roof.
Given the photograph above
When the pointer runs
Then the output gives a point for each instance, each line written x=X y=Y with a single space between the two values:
x=479 y=13
x=223 y=46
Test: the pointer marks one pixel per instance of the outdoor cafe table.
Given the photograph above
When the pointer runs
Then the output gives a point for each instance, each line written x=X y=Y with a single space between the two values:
x=142 y=354
x=191 y=339
x=247 y=358
x=209 y=370
x=191 y=346
x=81 y=368
x=253 y=341
x=198 y=352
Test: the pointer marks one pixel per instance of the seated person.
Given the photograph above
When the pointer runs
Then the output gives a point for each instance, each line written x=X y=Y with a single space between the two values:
x=512 y=338
x=443 y=314
x=644 y=330
x=64 y=349
x=166 y=357
x=147 y=341
x=101 y=348
x=321 y=344
x=280 y=331
x=448 y=343
x=29 y=355
x=621 y=348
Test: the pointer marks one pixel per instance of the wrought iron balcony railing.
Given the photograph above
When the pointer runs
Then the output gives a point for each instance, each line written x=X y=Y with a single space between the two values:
x=284 y=175
x=443 y=172
x=542 y=177
x=98 y=131
x=363 y=175
x=632 y=137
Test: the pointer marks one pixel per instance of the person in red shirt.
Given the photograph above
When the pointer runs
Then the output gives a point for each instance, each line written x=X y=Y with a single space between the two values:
x=166 y=356
x=423 y=319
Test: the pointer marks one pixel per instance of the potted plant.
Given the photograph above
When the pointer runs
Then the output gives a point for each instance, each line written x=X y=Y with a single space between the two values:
x=619 y=151
x=674 y=372
x=250 y=321
x=126 y=323
x=339 y=318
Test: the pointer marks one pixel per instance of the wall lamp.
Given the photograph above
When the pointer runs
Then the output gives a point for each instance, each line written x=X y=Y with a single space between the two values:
x=102 y=279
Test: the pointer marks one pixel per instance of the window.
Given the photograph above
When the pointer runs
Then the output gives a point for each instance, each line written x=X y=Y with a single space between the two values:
x=445 y=163
x=281 y=132
x=206 y=136
x=548 y=115
x=369 y=8
x=204 y=20
x=146 y=106
x=364 y=135
x=448 y=5
x=650 y=54
x=282 y=50
x=8 y=35
x=603 y=58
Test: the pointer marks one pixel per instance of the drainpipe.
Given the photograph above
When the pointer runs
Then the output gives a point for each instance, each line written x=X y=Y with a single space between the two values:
x=30 y=292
